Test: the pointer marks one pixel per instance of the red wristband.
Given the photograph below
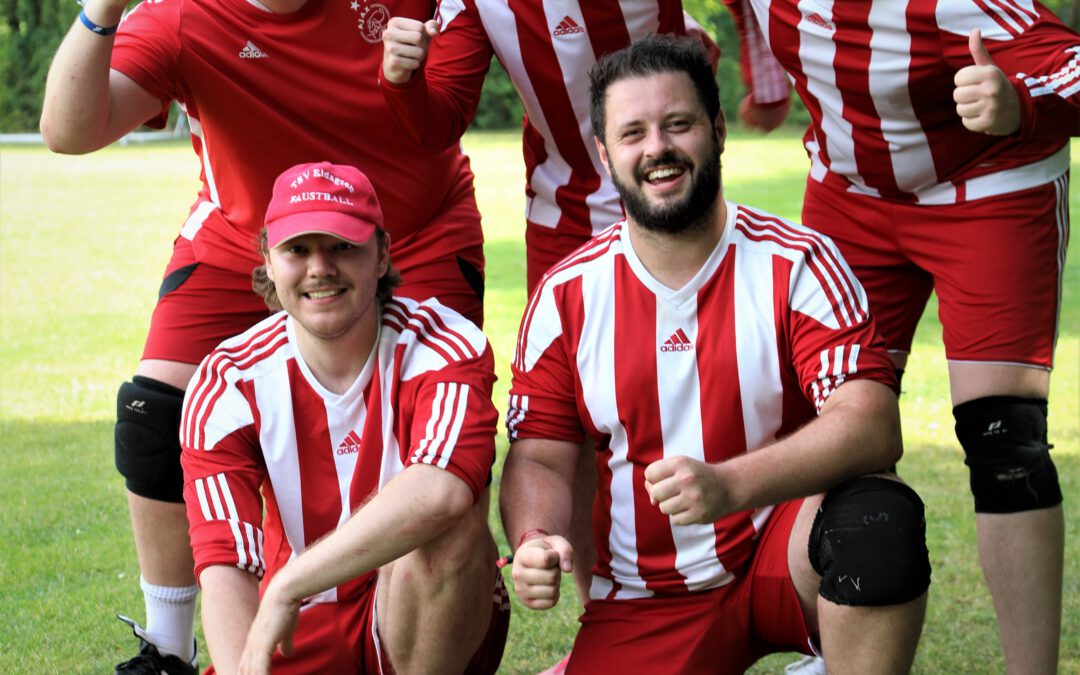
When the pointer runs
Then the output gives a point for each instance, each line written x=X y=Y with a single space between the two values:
x=529 y=535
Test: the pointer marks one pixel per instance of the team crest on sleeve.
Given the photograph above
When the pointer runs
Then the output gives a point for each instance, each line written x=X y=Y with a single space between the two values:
x=373 y=17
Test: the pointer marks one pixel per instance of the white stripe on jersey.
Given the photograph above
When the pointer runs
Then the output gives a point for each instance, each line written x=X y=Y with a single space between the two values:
x=599 y=368
x=444 y=425
x=680 y=424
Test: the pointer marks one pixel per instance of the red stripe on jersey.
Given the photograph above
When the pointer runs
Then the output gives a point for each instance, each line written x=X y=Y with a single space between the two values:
x=318 y=473
x=606 y=26
x=601 y=520
x=542 y=65
x=422 y=328
x=639 y=407
x=1015 y=10
x=785 y=40
x=460 y=344
x=369 y=464
x=722 y=425
x=852 y=69
x=212 y=383
x=822 y=262
x=591 y=250
x=796 y=409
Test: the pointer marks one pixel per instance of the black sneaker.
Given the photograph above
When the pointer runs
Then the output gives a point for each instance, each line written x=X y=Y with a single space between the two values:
x=149 y=661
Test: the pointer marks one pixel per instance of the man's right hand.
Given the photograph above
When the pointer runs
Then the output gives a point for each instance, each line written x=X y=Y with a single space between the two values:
x=405 y=46
x=538 y=567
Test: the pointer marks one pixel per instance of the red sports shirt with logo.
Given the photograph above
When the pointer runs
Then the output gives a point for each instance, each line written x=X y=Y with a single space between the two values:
x=257 y=426
x=877 y=79
x=267 y=91
x=547 y=48
x=739 y=357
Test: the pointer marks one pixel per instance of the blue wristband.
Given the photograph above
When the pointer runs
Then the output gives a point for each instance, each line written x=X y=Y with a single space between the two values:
x=94 y=28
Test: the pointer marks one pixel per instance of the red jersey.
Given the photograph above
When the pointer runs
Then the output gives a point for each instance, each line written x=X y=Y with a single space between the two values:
x=547 y=48
x=256 y=420
x=878 y=83
x=266 y=91
x=739 y=357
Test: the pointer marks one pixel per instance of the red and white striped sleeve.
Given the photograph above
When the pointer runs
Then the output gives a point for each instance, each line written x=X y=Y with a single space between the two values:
x=542 y=390
x=222 y=473
x=1039 y=54
x=830 y=333
x=764 y=77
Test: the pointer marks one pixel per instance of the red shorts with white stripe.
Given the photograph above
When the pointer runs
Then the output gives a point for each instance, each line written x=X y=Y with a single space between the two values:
x=200 y=305
x=342 y=638
x=996 y=265
x=723 y=630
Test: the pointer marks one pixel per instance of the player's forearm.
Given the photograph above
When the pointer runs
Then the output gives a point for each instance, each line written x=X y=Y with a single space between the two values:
x=536 y=489
x=75 y=112
x=230 y=599
x=857 y=432
x=411 y=510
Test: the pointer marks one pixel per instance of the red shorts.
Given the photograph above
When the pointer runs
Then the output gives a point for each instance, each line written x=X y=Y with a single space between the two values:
x=723 y=630
x=341 y=637
x=200 y=305
x=995 y=263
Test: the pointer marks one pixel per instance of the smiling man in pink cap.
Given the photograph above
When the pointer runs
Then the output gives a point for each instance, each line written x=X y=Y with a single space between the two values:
x=359 y=421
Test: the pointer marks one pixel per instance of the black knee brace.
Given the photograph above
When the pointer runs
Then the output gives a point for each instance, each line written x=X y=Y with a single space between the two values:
x=1004 y=440
x=148 y=438
x=868 y=543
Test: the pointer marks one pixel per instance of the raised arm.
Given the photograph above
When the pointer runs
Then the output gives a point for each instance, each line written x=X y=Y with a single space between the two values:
x=87 y=105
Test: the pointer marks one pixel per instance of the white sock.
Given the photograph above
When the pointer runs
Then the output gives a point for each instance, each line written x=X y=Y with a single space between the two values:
x=170 y=618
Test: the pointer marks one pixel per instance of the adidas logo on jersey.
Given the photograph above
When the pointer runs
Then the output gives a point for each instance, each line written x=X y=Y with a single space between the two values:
x=567 y=27
x=678 y=342
x=820 y=22
x=250 y=51
x=350 y=445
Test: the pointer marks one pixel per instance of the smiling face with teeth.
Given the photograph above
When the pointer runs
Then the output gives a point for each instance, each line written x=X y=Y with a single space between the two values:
x=328 y=285
x=662 y=151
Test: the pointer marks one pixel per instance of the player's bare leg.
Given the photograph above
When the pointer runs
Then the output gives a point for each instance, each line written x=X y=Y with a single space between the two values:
x=1021 y=553
x=160 y=531
x=434 y=604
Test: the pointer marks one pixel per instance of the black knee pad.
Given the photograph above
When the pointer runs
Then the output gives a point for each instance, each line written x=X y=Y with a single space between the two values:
x=1004 y=440
x=868 y=543
x=148 y=438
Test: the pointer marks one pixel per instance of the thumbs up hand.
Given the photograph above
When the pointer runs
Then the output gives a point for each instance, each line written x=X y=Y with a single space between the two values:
x=985 y=99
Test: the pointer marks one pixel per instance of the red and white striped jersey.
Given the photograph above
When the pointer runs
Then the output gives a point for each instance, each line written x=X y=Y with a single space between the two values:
x=547 y=47
x=255 y=419
x=739 y=357
x=266 y=91
x=877 y=79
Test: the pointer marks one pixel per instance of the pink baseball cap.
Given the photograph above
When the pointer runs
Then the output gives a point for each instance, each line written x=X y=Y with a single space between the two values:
x=322 y=198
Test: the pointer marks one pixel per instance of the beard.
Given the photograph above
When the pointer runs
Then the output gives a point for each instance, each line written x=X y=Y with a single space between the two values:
x=689 y=213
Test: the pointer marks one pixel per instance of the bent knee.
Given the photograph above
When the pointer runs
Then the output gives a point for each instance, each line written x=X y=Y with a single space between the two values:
x=868 y=543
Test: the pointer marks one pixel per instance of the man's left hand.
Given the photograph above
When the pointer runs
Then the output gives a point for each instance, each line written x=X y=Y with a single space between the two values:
x=688 y=490
x=985 y=99
x=273 y=627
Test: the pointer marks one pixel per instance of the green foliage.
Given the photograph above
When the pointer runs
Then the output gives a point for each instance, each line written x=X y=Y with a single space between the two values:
x=30 y=31
x=499 y=107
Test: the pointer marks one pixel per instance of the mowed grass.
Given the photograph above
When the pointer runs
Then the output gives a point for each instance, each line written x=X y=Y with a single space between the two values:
x=83 y=241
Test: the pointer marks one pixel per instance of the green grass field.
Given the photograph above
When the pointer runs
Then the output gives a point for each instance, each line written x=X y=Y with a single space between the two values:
x=83 y=241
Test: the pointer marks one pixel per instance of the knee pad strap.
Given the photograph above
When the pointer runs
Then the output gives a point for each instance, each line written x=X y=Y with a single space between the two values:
x=868 y=543
x=148 y=438
x=1004 y=441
